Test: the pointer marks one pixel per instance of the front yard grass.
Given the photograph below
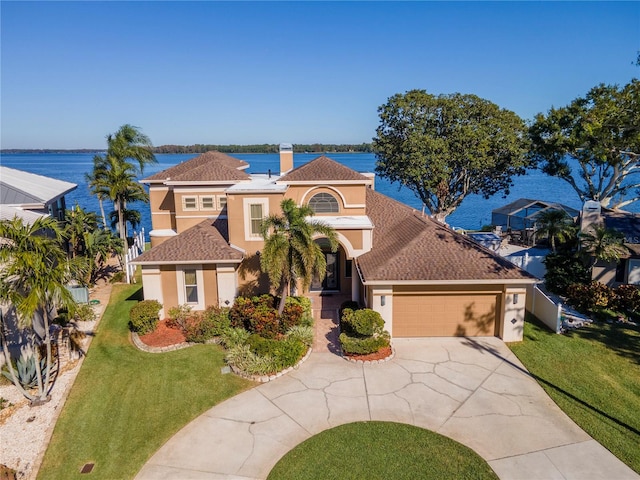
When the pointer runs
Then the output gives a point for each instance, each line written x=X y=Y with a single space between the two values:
x=593 y=374
x=125 y=404
x=381 y=450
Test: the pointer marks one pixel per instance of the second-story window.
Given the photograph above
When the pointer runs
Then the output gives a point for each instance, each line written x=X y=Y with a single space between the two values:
x=189 y=203
x=256 y=218
x=208 y=203
x=222 y=202
x=324 y=203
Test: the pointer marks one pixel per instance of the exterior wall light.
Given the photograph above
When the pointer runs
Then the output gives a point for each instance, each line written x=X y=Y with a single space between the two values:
x=515 y=298
x=383 y=300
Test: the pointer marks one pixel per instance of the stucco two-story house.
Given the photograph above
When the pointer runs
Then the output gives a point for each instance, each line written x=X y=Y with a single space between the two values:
x=422 y=277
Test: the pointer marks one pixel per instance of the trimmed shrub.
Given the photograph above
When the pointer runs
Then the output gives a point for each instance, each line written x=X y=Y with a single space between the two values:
x=363 y=345
x=84 y=313
x=285 y=353
x=348 y=304
x=291 y=316
x=365 y=322
x=143 y=317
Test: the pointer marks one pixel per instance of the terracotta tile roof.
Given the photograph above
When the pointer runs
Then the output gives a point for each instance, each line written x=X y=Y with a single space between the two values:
x=206 y=242
x=407 y=246
x=322 y=169
x=210 y=166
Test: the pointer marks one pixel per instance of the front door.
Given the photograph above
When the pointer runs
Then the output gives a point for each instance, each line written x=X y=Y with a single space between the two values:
x=332 y=278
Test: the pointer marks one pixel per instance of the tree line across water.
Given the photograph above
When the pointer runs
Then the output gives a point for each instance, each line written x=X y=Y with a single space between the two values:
x=202 y=148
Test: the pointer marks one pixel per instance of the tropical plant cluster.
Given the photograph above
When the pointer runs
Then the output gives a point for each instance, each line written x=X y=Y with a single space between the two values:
x=200 y=327
x=362 y=332
x=595 y=297
x=261 y=341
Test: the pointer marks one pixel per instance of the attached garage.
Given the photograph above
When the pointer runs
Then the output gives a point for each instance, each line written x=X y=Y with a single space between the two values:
x=436 y=314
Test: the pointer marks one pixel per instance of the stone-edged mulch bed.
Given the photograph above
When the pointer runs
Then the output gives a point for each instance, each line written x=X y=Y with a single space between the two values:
x=163 y=339
x=269 y=378
x=381 y=356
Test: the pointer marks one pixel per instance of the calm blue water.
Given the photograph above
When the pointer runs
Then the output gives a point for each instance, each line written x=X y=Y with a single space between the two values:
x=474 y=212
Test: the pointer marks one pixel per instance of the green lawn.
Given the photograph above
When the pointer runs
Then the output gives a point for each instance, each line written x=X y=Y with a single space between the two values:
x=380 y=450
x=125 y=404
x=593 y=374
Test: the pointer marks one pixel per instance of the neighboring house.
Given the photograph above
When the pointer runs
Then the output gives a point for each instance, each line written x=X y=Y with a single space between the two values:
x=518 y=218
x=423 y=278
x=30 y=196
x=627 y=270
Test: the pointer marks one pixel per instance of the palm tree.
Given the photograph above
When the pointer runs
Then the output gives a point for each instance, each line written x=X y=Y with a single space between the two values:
x=603 y=243
x=98 y=185
x=33 y=279
x=556 y=225
x=77 y=223
x=115 y=175
x=290 y=252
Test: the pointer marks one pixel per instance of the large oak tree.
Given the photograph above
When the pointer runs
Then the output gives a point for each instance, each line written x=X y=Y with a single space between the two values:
x=446 y=147
x=601 y=134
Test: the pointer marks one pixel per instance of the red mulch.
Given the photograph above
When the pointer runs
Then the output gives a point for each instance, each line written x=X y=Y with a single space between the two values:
x=379 y=355
x=163 y=336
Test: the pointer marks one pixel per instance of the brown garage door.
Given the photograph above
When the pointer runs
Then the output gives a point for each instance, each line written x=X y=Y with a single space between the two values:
x=449 y=315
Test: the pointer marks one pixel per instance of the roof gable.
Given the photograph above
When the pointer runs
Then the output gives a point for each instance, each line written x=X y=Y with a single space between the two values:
x=323 y=169
x=206 y=242
x=208 y=167
x=409 y=247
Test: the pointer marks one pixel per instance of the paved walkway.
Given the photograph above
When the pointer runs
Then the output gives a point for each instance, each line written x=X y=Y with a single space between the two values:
x=472 y=390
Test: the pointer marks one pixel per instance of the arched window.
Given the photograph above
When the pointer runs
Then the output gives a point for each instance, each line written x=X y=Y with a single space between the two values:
x=324 y=203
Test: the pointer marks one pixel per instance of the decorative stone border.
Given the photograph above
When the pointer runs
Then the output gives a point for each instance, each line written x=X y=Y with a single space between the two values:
x=371 y=362
x=268 y=378
x=135 y=338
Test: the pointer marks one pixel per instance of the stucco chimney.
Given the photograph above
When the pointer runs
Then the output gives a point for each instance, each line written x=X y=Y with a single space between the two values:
x=591 y=215
x=286 y=158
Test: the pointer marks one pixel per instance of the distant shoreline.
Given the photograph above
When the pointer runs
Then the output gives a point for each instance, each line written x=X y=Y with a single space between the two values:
x=318 y=148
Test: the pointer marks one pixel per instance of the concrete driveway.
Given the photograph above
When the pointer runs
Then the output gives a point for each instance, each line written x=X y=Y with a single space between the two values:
x=472 y=390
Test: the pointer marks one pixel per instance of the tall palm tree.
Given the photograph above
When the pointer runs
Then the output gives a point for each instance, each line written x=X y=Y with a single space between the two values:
x=77 y=223
x=290 y=252
x=603 y=243
x=98 y=185
x=556 y=225
x=114 y=175
x=33 y=279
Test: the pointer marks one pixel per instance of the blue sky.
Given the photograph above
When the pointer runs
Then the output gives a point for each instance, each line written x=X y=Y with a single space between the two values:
x=301 y=72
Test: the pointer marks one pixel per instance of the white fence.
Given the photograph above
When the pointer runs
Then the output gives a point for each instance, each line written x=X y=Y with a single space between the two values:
x=544 y=308
x=134 y=251
x=530 y=263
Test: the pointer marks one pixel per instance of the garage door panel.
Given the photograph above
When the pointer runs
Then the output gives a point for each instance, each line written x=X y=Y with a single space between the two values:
x=444 y=315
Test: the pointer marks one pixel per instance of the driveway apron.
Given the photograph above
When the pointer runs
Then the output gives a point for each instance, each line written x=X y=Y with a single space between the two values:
x=474 y=391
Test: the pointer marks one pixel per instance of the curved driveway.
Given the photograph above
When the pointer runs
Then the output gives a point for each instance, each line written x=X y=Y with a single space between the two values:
x=472 y=390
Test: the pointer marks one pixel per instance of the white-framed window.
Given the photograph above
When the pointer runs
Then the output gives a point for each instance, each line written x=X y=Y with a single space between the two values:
x=191 y=287
x=255 y=211
x=222 y=202
x=324 y=203
x=190 y=203
x=255 y=217
x=207 y=202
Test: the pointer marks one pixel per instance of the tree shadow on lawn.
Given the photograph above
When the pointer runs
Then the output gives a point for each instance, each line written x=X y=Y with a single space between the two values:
x=473 y=343
x=622 y=338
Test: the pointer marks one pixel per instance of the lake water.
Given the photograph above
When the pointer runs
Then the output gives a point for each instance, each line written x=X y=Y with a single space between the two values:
x=474 y=212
